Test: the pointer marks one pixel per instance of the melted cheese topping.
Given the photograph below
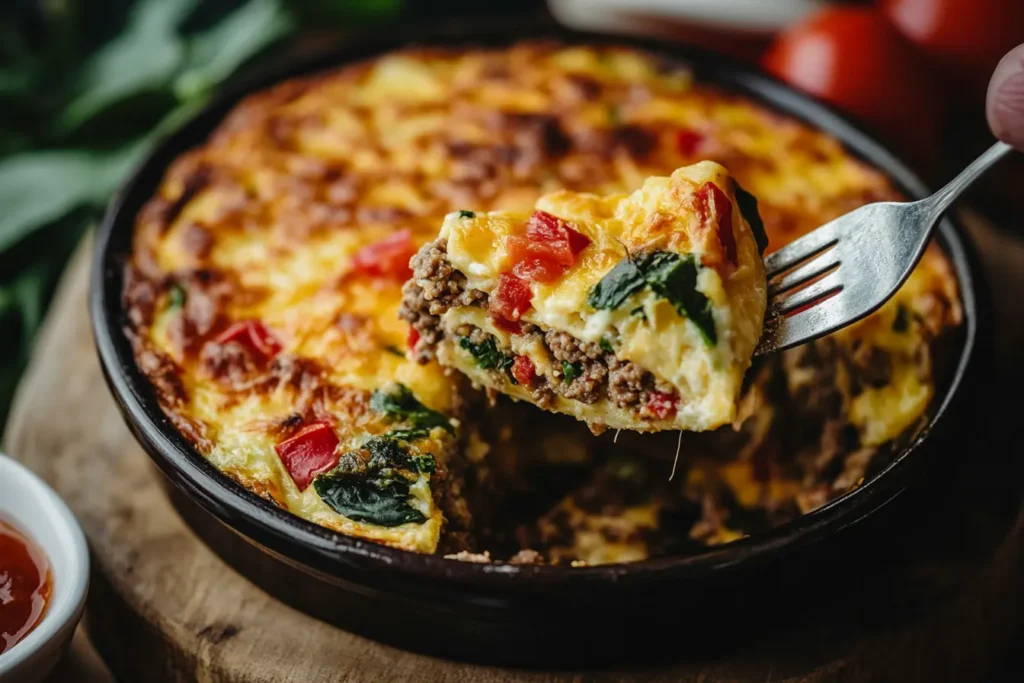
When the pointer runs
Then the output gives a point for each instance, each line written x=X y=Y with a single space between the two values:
x=660 y=216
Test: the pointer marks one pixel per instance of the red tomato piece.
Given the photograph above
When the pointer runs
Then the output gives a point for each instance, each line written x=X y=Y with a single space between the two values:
x=512 y=297
x=662 y=405
x=550 y=236
x=962 y=39
x=854 y=59
x=711 y=199
x=388 y=258
x=312 y=450
x=688 y=142
x=254 y=336
x=413 y=338
x=510 y=326
x=538 y=270
x=523 y=370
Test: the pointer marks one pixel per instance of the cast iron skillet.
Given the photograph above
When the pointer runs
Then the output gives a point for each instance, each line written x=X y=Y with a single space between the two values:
x=537 y=614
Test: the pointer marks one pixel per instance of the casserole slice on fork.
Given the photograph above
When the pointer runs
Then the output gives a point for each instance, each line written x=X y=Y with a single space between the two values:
x=636 y=312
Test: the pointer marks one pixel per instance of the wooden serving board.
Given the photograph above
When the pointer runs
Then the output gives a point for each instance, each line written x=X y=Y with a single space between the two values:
x=163 y=607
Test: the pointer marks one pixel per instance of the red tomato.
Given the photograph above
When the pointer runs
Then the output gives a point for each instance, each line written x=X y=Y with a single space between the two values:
x=312 y=450
x=388 y=258
x=662 y=405
x=510 y=326
x=551 y=236
x=964 y=38
x=854 y=59
x=712 y=201
x=254 y=336
x=689 y=142
x=538 y=270
x=512 y=297
x=523 y=370
x=413 y=338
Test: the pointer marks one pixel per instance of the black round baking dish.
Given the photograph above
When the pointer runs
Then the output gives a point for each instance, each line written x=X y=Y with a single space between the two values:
x=514 y=614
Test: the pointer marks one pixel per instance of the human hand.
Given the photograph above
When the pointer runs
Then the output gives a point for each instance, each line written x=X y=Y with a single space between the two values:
x=1005 y=106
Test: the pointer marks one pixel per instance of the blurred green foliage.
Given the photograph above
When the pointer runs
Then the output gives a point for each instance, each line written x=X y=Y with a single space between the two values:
x=85 y=87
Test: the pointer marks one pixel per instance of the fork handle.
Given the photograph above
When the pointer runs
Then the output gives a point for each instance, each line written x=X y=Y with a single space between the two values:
x=941 y=200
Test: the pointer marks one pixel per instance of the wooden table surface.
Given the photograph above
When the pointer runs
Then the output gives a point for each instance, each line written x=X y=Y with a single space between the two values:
x=163 y=607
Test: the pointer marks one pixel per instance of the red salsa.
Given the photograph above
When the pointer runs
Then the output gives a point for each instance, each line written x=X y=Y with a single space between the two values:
x=25 y=586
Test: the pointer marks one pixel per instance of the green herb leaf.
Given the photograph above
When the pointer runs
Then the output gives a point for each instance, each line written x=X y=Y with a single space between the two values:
x=487 y=355
x=385 y=453
x=639 y=310
x=37 y=188
x=408 y=434
x=466 y=214
x=616 y=286
x=398 y=403
x=381 y=498
x=144 y=57
x=213 y=55
x=606 y=345
x=748 y=207
x=571 y=371
x=394 y=350
x=674 y=277
x=425 y=463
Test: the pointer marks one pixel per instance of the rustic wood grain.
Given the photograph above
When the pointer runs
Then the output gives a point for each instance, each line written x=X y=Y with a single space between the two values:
x=164 y=608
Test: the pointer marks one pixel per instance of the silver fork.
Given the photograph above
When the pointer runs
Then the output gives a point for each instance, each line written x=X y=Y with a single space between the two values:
x=849 y=267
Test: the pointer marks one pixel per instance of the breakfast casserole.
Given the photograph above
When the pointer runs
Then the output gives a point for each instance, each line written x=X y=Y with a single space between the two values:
x=264 y=303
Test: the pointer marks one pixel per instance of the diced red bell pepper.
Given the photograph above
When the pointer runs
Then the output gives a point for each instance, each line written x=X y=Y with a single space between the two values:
x=254 y=336
x=388 y=258
x=413 y=338
x=710 y=197
x=523 y=370
x=510 y=326
x=511 y=298
x=538 y=270
x=550 y=237
x=662 y=405
x=312 y=450
x=688 y=142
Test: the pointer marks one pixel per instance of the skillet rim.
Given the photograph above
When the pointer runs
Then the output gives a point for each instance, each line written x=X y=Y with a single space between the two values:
x=330 y=554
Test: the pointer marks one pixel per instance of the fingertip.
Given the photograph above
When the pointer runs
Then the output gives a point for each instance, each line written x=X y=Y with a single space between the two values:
x=1005 y=101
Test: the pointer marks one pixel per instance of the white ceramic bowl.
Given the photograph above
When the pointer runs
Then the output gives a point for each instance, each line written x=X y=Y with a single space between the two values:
x=35 y=509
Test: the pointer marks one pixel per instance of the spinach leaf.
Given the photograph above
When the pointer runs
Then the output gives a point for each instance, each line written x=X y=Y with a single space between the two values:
x=408 y=434
x=616 y=286
x=398 y=403
x=748 y=207
x=487 y=355
x=639 y=310
x=466 y=214
x=674 y=277
x=606 y=345
x=424 y=463
x=385 y=453
x=571 y=371
x=381 y=498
